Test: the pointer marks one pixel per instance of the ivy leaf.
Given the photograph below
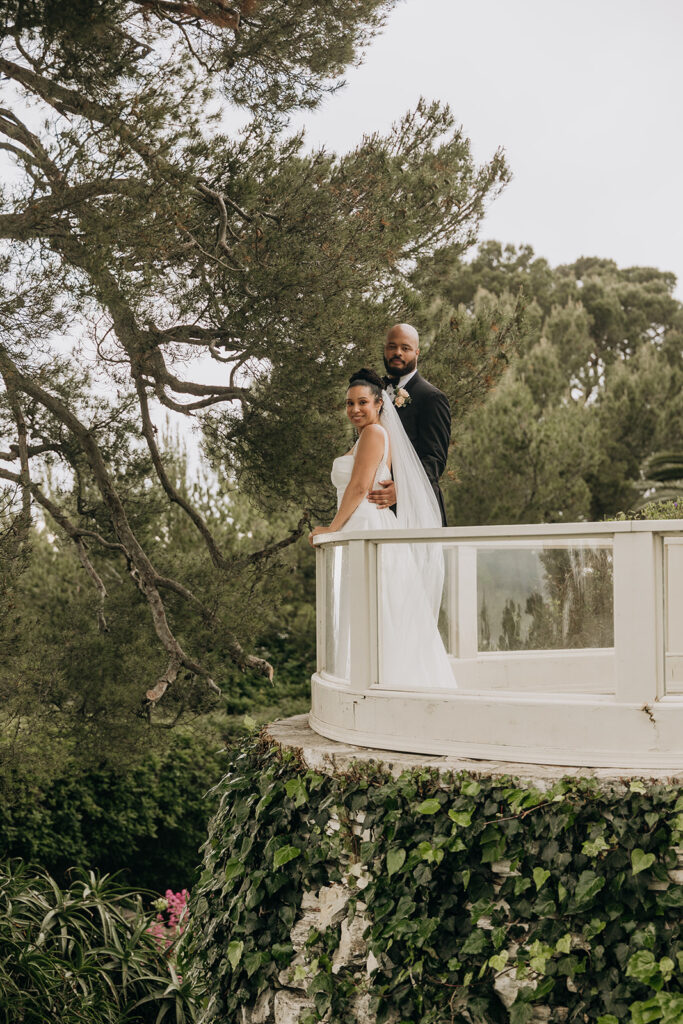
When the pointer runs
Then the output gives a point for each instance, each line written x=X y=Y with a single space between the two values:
x=587 y=888
x=637 y=786
x=542 y=989
x=541 y=876
x=666 y=966
x=201 y=908
x=646 y=1012
x=592 y=847
x=607 y=1018
x=644 y=968
x=673 y=897
x=321 y=983
x=564 y=945
x=429 y=853
x=672 y=1007
x=296 y=789
x=233 y=868
x=641 y=861
x=470 y=787
x=252 y=962
x=430 y=806
x=235 y=953
x=284 y=855
x=593 y=928
x=395 y=860
x=521 y=1013
x=499 y=960
x=463 y=818
x=475 y=942
x=321 y=988
x=492 y=841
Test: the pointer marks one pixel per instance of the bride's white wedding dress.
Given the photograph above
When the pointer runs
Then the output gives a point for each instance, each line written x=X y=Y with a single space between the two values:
x=411 y=651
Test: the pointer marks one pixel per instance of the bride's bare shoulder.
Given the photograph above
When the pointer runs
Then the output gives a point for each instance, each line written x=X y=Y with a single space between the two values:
x=371 y=434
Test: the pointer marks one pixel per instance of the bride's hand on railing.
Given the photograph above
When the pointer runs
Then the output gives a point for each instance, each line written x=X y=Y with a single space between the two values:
x=316 y=532
x=385 y=496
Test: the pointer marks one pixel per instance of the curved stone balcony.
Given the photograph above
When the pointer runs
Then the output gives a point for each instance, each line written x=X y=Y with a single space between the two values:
x=565 y=641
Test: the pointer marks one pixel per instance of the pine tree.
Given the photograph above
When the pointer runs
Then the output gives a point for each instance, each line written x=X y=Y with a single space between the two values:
x=161 y=241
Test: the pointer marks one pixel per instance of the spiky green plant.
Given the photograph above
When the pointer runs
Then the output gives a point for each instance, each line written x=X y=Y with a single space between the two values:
x=83 y=954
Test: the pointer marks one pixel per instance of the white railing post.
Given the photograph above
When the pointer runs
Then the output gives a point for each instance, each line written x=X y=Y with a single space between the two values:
x=363 y=614
x=466 y=603
x=321 y=557
x=636 y=621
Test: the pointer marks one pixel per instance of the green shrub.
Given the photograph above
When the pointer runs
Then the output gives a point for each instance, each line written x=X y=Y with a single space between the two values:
x=148 y=821
x=668 y=509
x=84 y=954
x=468 y=876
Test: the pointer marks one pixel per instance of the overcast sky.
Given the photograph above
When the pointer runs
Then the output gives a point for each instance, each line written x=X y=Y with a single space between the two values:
x=585 y=96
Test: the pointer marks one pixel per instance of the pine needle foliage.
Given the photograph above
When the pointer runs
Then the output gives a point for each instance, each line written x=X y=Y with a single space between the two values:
x=162 y=242
x=593 y=390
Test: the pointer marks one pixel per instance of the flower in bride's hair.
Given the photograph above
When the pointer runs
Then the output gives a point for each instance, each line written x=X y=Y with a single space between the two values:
x=401 y=398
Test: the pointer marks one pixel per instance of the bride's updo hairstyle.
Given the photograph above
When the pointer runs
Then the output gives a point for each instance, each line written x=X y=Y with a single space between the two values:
x=369 y=379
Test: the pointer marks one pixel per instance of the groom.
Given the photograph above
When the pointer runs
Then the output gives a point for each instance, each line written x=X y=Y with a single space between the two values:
x=425 y=414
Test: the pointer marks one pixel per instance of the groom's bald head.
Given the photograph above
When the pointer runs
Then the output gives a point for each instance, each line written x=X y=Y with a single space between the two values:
x=401 y=349
x=405 y=331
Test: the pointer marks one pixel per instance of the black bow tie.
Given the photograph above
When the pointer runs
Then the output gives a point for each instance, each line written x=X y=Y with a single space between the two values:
x=390 y=380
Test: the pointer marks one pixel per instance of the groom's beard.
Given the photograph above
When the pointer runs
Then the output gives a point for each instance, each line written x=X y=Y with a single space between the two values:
x=399 y=371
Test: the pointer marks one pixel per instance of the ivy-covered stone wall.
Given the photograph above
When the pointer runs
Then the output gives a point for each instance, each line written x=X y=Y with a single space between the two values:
x=358 y=897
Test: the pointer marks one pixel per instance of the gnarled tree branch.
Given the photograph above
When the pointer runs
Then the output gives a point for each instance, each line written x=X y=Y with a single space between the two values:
x=145 y=573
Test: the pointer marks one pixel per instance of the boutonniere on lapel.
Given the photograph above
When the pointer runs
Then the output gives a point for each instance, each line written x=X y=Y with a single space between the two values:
x=401 y=398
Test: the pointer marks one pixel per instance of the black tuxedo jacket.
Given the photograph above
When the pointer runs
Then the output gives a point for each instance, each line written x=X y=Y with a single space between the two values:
x=426 y=419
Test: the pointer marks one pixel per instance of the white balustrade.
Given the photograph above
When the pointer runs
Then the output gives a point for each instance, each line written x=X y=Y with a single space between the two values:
x=587 y=668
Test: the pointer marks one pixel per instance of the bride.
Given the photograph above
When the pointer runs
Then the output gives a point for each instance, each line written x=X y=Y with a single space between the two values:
x=410 y=576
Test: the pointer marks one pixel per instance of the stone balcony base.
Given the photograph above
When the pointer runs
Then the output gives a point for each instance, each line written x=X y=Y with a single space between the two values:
x=324 y=754
x=565 y=729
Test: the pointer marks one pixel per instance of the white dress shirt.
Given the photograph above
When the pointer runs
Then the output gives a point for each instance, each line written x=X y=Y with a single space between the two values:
x=404 y=380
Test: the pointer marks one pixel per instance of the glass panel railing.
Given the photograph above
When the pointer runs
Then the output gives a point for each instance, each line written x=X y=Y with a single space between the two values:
x=447 y=609
x=533 y=597
x=673 y=617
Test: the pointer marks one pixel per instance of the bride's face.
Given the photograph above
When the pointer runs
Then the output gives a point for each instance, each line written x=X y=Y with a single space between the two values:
x=362 y=407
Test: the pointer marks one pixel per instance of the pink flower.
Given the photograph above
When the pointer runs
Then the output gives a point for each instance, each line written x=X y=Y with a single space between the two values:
x=169 y=922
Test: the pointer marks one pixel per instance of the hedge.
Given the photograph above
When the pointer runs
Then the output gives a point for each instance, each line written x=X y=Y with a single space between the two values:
x=146 y=822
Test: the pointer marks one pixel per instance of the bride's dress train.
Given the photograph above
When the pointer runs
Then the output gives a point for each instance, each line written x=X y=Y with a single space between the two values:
x=411 y=651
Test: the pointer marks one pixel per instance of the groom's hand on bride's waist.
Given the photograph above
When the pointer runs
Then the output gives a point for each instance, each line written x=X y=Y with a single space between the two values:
x=385 y=495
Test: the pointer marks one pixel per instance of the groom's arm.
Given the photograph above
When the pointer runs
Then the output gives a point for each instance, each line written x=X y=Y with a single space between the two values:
x=435 y=436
